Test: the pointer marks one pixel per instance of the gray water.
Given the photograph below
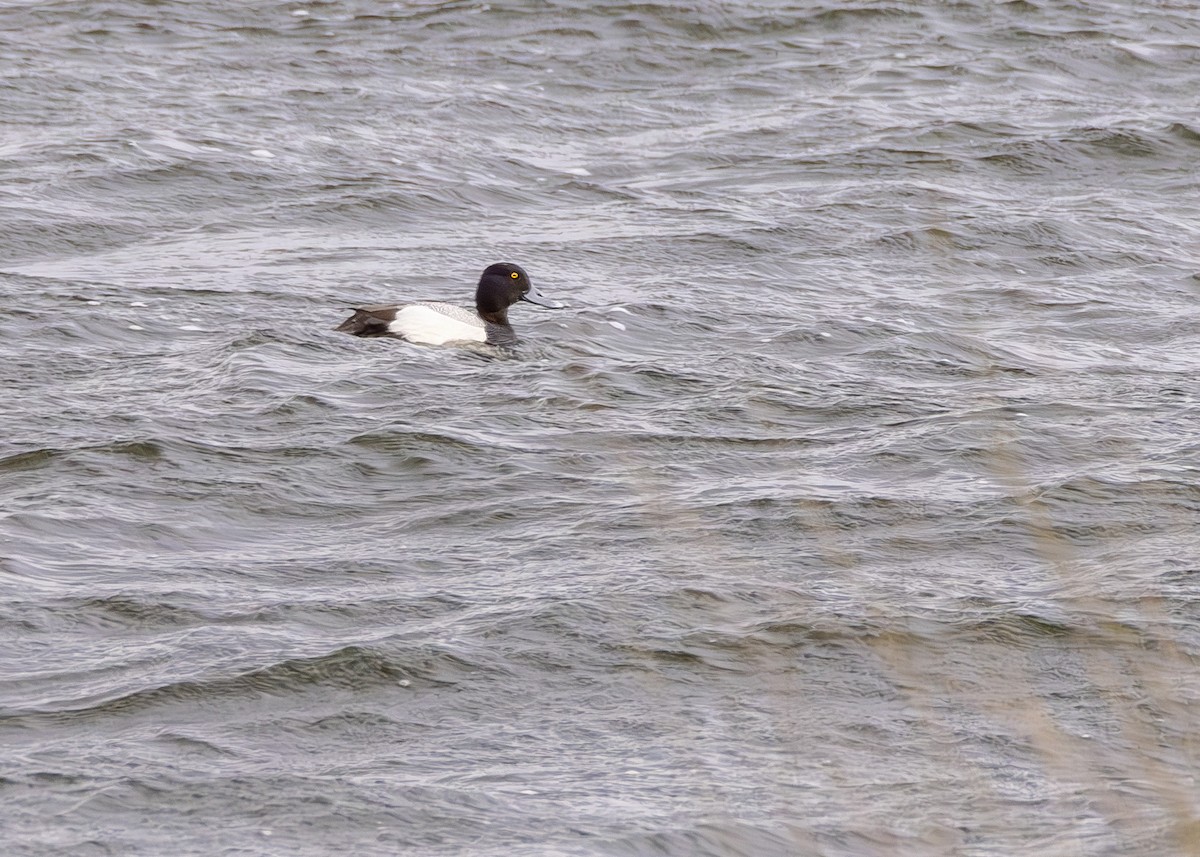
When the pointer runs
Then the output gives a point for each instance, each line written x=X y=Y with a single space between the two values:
x=849 y=508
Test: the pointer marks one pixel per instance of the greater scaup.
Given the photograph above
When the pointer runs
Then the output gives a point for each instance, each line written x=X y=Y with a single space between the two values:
x=430 y=323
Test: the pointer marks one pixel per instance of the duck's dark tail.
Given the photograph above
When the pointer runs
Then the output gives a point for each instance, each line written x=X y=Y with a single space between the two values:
x=369 y=321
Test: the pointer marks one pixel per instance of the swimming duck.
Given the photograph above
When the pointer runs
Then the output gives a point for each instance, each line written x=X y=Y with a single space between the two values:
x=433 y=323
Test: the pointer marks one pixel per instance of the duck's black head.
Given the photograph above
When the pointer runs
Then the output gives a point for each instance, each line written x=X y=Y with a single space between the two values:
x=501 y=286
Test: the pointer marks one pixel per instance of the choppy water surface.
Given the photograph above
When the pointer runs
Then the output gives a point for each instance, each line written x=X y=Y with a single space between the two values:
x=850 y=508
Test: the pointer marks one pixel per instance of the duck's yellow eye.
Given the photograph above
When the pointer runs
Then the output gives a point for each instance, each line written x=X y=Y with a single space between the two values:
x=514 y=275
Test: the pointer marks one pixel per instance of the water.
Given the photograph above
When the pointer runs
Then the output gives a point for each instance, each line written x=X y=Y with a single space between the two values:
x=848 y=509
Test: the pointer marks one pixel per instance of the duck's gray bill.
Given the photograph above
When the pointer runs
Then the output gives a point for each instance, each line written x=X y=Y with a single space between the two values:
x=535 y=297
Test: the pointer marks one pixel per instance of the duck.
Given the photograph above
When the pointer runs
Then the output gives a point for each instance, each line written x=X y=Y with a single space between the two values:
x=435 y=323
